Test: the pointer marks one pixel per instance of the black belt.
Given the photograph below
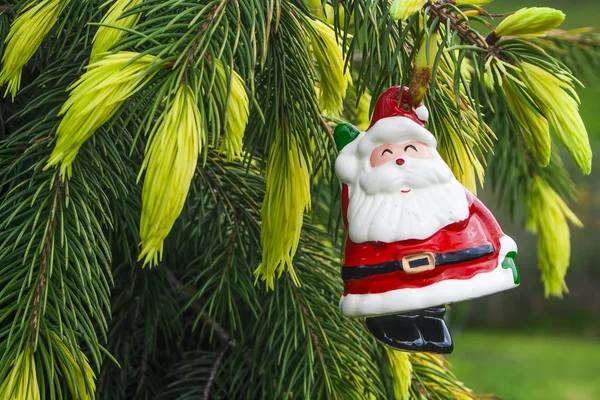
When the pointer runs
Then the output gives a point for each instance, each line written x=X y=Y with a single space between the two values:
x=420 y=262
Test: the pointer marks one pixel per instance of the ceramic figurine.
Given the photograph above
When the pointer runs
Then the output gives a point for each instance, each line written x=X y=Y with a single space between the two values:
x=417 y=239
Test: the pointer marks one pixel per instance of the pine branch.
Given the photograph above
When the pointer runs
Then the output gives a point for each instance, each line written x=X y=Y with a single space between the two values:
x=46 y=250
x=449 y=16
x=200 y=310
x=213 y=373
x=52 y=231
x=578 y=49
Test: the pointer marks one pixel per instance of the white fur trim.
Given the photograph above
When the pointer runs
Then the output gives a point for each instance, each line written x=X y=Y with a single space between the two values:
x=394 y=130
x=443 y=292
x=422 y=113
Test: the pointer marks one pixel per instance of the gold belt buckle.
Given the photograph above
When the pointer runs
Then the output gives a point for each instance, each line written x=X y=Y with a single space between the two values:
x=416 y=263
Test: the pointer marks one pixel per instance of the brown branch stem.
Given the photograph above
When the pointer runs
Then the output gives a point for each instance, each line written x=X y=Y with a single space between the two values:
x=40 y=288
x=190 y=54
x=457 y=23
x=198 y=309
x=144 y=362
x=213 y=374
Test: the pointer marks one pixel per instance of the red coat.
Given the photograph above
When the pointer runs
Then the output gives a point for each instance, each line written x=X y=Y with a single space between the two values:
x=478 y=229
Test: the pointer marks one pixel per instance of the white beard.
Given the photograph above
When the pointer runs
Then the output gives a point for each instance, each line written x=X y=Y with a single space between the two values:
x=379 y=211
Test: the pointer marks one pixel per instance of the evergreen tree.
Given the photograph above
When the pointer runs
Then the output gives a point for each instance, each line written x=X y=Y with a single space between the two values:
x=169 y=223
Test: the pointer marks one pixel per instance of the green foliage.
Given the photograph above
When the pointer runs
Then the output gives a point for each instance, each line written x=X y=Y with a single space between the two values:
x=56 y=258
x=578 y=49
x=73 y=296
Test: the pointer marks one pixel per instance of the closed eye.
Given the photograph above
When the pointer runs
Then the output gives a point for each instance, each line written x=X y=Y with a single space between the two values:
x=410 y=146
x=386 y=151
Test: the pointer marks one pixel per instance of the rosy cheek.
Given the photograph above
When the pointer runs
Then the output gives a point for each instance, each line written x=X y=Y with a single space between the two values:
x=422 y=152
x=377 y=159
x=416 y=154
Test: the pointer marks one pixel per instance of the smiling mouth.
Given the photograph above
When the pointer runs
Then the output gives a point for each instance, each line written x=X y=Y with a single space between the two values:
x=405 y=190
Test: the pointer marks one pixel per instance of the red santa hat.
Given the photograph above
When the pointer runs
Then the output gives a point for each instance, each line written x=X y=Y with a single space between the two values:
x=396 y=120
x=388 y=106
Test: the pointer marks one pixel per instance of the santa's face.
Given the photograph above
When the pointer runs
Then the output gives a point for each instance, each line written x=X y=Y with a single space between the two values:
x=398 y=191
x=394 y=178
x=389 y=151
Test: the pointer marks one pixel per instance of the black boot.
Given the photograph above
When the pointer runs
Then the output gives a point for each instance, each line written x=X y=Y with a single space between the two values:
x=423 y=330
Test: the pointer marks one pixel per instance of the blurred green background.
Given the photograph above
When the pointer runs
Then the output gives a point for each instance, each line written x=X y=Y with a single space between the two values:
x=518 y=344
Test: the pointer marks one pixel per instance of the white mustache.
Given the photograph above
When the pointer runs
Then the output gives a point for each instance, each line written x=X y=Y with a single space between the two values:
x=390 y=217
x=414 y=174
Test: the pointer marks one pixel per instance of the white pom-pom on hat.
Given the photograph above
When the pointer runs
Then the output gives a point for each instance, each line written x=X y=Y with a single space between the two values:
x=422 y=113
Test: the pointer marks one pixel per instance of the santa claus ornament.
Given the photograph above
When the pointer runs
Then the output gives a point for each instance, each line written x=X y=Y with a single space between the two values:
x=417 y=239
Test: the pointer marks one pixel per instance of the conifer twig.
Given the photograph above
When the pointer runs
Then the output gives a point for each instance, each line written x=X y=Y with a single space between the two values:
x=46 y=250
x=213 y=374
x=216 y=327
x=144 y=361
x=578 y=38
x=457 y=24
